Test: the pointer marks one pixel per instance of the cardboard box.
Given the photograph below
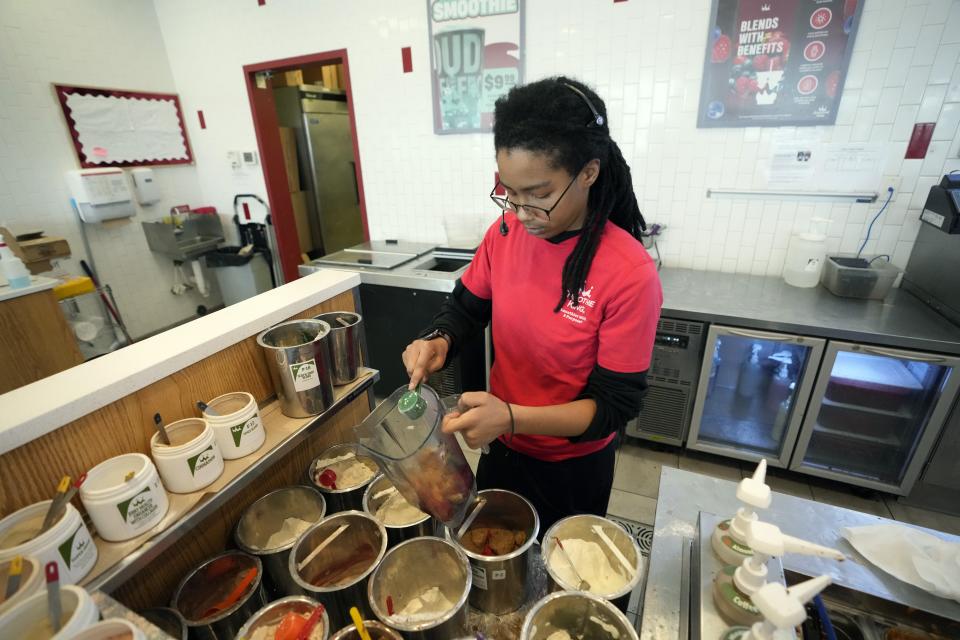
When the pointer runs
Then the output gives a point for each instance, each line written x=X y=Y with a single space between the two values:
x=302 y=220
x=37 y=253
x=288 y=140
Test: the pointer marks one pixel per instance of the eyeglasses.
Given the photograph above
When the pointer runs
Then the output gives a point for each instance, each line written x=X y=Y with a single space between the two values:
x=508 y=205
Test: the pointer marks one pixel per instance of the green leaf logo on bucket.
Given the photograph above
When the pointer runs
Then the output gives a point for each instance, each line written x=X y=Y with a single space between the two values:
x=138 y=508
x=305 y=375
x=201 y=460
x=240 y=430
x=75 y=547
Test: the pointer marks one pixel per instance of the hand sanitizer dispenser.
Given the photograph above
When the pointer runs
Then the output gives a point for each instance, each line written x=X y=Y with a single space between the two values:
x=101 y=194
x=145 y=184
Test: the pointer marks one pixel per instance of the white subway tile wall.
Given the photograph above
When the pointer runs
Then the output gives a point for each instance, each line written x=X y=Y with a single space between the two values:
x=644 y=57
x=112 y=44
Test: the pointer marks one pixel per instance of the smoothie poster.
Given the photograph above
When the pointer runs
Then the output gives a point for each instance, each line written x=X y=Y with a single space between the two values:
x=476 y=56
x=772 y=63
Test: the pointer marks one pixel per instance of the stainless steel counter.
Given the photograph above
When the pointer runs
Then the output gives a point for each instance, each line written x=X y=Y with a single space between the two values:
x=684 y=494
x=763 y=302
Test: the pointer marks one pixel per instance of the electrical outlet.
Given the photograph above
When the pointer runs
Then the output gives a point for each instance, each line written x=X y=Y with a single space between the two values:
x=887 y=182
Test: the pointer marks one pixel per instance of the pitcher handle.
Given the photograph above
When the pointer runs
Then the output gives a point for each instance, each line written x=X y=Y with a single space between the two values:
x=450 y=403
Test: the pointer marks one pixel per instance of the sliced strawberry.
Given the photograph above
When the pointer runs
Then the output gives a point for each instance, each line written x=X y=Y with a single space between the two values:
x=721 y=49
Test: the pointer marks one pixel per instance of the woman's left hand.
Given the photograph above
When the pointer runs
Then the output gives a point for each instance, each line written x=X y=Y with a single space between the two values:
x=480 y=418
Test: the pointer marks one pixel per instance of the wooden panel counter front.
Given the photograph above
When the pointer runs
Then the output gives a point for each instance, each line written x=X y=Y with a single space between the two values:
x=30 y=473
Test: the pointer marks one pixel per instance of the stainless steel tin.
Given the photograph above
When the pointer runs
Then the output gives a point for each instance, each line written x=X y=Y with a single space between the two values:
x=582 y=615
x=298 y=358
x=201 y=588
x=344 y=344
x=274 y=612
x=167 y=620
x=349 y=498
x=359 y=548
x=579 y=526
x=263 y=518
x=410 y=569
x=425 y=526
x=499 y=582
x=376 y=630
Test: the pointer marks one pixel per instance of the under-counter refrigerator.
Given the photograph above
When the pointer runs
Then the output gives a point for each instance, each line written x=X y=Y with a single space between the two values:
x=752 y=391
x=874 y=415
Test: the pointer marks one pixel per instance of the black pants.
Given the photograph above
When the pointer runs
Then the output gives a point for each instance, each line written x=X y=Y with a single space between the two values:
x=556 y=489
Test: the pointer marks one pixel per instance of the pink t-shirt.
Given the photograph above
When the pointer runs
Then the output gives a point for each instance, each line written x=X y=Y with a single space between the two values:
x=544 y=358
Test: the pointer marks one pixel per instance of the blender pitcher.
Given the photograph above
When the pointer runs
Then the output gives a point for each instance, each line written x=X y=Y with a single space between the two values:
x=426 y=465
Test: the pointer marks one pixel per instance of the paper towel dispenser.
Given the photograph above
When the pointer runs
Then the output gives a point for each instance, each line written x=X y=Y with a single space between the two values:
x=101 y=194
x=942 y=209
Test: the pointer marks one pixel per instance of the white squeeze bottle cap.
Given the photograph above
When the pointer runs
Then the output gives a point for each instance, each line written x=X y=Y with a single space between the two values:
x=782 y=608
x=767 y=540
x=729 y=540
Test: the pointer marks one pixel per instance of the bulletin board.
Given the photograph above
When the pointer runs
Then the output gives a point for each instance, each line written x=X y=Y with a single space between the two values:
x=112 y=128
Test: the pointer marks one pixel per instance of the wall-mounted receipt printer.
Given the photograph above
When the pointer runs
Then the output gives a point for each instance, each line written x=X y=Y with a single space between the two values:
x=942 y=209
x=101 y=194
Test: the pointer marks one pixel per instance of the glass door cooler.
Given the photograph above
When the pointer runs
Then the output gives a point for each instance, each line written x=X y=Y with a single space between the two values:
x=753 y=388
x=874 y=415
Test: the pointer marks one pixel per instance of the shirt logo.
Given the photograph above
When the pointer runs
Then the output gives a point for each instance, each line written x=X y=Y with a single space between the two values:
x=577 y=312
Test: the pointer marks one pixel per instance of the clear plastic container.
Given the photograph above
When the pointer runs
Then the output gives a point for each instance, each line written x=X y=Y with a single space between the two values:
x=426 y=465
x=872 y=282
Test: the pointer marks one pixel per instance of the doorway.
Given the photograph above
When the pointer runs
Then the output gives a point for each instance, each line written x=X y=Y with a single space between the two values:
x=305 y=125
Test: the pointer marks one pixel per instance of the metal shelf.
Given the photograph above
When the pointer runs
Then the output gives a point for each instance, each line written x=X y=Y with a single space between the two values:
x=890 y=441
x=115 y=575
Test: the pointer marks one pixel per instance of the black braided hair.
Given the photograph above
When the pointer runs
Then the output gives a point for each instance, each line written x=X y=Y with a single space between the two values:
x=549 y=118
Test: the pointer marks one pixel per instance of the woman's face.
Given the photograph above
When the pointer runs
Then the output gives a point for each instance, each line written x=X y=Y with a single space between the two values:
x=529 y=179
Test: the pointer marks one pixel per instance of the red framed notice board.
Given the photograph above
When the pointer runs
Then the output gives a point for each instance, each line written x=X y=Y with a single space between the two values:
x=113 y=128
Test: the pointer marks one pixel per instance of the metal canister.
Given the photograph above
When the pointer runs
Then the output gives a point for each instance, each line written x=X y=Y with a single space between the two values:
x=336 y=576
x=499 y=582
x=298 y=358
x=204 y=596
x=342 y=498
x=346 y=338
x=374 y=497
x=579 y=614
x=262 y=519
x=273 y=613
x=412 y=569
x=376 y=630
x=581 y=526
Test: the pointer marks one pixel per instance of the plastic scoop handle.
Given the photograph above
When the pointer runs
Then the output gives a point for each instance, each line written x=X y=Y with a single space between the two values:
x=158 y=421
x=13 y=577
x=205 y=408
x=614 y=549
x=58 y=500
x=54 y=609
x=320 y=547
x=481 y=502
x=311 y=623
x=358 y=623
x=234 y=595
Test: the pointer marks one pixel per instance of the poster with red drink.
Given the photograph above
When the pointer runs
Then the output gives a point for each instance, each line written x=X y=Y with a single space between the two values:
x=774 y=63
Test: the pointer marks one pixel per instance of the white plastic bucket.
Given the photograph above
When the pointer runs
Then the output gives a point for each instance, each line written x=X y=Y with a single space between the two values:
x=236 y=424
x=124 y=497
x=67 y=542
x=29 y=618
x=193 y=461
x=31 y=579
x=110 y=628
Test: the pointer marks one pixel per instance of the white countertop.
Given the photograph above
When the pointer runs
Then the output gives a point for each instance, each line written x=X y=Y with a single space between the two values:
x=44 y=406
x=37 y=283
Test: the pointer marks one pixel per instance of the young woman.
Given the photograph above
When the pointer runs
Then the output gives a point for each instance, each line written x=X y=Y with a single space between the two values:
x=574 y=300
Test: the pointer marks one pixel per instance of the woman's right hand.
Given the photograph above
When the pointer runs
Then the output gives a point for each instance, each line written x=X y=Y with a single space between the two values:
x=423 y=357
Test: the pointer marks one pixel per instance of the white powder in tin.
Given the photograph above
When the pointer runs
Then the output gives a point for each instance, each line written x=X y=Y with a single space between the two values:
x=396 y=511
x=591 y=563
x=290 y=531
x=350 y=470
x=559 y=635
x=429 y=605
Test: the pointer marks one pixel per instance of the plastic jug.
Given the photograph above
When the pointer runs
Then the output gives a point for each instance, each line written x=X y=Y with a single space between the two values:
x=806 y=254
x=426 y=465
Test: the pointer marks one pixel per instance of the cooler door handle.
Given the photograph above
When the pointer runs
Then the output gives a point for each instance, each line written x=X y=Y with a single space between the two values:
x=760 y=335
x=890 y=353
x=356 y=184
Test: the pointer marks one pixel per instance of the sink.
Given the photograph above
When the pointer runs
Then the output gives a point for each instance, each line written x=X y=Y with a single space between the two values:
x=445 y=265
x=861 y=616
x=198 y=234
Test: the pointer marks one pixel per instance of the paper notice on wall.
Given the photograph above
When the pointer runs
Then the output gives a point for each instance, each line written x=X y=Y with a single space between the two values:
x=793 y=163
x=810 y=165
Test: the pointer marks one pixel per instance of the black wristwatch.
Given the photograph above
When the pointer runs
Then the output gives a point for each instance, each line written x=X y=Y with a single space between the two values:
x=438 y=333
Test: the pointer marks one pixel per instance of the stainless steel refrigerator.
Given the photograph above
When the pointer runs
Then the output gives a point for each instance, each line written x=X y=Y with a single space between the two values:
x=326 y=164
